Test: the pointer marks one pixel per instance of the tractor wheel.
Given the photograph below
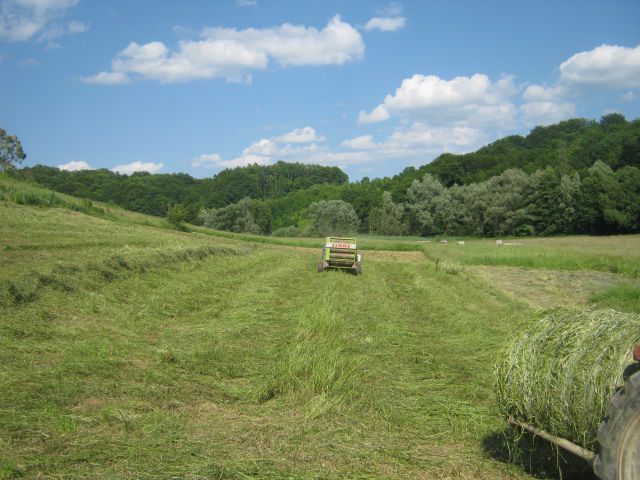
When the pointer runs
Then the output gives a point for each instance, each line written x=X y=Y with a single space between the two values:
x=321 y=267
x=619 y=435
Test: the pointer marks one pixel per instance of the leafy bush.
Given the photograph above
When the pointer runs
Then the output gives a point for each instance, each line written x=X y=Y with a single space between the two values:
x=333 y=217
x=290 y=231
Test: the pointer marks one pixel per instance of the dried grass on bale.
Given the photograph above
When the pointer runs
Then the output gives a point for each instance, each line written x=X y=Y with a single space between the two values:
x=560 y=372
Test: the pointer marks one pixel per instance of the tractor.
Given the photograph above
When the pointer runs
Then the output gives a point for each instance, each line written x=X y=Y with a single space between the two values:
x=342 y=254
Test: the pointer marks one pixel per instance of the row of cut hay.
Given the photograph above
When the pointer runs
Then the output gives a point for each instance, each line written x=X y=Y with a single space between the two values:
x=70 y=278
x=561 y=371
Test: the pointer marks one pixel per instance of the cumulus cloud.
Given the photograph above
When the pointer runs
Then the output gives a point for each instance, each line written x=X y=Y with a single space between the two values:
x=604 y=66
x=229 y=53
x=73 y=166
x=416 y=143
x=20 y=20
x=204 y=160
x=133 y=167
x=546 y=113
x=300 y=135
x=545 y=105
x=386 y=24
x=461 y=101
x=363 y=142
x=291 y=146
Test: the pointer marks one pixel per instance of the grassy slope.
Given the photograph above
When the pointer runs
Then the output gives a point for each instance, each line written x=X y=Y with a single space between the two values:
x=198 y=356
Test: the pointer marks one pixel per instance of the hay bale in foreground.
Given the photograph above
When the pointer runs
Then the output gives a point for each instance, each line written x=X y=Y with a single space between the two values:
x=561 y=371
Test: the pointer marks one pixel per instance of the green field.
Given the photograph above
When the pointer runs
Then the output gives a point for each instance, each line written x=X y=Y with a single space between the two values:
x=131 y=350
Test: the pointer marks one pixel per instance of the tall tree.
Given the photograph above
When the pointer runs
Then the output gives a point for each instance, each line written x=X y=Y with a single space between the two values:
x=333 y=217
x=10 y=151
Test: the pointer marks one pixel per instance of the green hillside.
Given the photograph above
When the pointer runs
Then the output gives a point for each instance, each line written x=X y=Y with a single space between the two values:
x=128 y=349
x=579 y=176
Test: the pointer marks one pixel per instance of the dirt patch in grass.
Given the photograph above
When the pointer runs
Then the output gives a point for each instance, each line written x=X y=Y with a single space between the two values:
x=548 y=288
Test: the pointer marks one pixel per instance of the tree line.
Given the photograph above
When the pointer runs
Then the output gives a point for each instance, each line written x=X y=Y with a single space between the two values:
x=578 y=176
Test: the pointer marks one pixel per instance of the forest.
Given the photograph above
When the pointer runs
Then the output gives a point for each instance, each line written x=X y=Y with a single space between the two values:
x=577 y=176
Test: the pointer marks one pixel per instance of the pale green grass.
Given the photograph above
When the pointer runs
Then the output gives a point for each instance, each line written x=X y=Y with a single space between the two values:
x=618 y=254
x=142 y=352
x=623 y=296
x=365 y=242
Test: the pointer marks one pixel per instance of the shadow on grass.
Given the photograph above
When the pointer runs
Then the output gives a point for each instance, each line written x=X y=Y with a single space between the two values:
x=536 y=456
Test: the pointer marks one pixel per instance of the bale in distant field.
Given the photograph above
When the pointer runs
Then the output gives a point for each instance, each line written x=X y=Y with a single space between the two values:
x=561 y=371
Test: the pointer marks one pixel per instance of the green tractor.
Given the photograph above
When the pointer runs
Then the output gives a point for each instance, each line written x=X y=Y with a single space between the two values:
x=342 y=254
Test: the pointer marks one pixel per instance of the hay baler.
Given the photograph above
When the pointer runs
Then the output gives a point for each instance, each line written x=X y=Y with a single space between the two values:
x=342 y=254
x=618 y=455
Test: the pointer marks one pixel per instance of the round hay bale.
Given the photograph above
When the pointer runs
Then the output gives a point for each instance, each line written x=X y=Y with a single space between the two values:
x=560 y=372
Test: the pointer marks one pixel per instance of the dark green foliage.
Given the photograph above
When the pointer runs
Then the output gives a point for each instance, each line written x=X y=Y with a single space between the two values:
x=245 y=216
x=10 y=151
x=152 y=194
x=388 y=219
x=177 y=214
x=567 y=146
x=333 y=217
x=578 y=176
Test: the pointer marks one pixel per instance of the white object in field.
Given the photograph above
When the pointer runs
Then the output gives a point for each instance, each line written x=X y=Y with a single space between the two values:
x=460 y=242
x=444 y=242
x=498 y=242
x=359 y=257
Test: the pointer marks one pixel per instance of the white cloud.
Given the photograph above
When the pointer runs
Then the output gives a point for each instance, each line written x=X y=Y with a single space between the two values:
x=605 y=66
x=546 y=113
x=363 y=142
x=73 y=166
x=300 y=135
x=20 y=20
x=243 y=161
x=130 y=168
x=268 y=150
x=206 y=160
x=386 y=24
x=107 y=78
x=417 y=143
x=474 y=100
x=545 y=105
x=231 y=54
x=541 y=93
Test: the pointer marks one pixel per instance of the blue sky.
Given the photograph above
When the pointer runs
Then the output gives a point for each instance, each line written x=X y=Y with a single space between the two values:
x=371 y=87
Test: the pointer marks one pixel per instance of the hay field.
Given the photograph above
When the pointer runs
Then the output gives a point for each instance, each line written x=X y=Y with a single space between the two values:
x=129 y=350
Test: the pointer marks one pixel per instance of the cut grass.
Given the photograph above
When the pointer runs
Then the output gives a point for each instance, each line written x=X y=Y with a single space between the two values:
x=106 y=379
x=242 y=363
x=620 y=254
